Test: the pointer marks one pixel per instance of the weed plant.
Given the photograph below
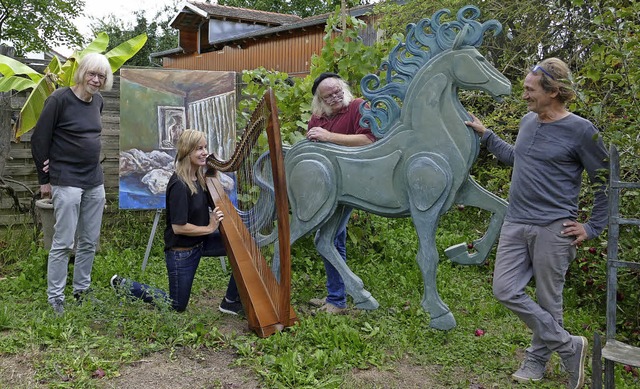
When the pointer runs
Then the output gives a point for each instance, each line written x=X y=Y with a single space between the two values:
x=321 y=351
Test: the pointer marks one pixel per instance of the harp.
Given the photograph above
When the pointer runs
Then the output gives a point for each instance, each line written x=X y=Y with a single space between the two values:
x=251 y=224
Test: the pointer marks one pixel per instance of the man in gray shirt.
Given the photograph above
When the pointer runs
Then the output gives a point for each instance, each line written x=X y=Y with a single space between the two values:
x=540 y=232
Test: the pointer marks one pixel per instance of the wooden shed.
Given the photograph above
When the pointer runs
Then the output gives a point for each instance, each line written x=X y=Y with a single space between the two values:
x=217 y=37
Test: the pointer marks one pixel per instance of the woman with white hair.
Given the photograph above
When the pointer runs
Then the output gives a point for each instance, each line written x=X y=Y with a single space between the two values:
x=65 y=145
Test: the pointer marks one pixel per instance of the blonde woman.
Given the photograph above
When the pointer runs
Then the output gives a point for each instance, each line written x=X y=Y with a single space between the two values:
x=191 y=230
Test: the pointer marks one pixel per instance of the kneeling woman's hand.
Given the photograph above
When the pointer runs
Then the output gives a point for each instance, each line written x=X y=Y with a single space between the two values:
x=215 y=218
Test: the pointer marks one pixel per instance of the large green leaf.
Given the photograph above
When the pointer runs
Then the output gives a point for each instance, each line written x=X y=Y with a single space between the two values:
x=15 y=83
x=9 y=67
x=68 y=69
x=57 y=75
x=33 y=106
x=54 y=66
x=98 y=45
x=124 y=51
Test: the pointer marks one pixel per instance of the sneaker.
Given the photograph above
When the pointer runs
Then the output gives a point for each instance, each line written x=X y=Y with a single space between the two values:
x=332 y=309
x=82 y=296
x=530 y=371
x=231 y=307
x=318 y=302
x=575 y=363
x=58 y=306
x=116 y=281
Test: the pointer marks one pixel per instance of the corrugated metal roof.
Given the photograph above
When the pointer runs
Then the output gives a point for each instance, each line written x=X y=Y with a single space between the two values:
x=303 y=23
x=246 y=15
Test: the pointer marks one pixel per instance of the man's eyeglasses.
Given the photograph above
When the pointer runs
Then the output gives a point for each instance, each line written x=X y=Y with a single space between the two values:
x=538 y=67
x=337 y=95
x=92 y=75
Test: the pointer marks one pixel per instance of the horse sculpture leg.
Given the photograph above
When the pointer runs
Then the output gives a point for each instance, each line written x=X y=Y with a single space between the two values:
x=474 y=195
x=429 y=182
x=324 y=242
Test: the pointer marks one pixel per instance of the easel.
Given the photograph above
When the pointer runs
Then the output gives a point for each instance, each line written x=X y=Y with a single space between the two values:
x=153 y=234
x=223 y=263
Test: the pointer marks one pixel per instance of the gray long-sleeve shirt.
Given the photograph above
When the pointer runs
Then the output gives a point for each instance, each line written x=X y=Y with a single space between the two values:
x=548 y=160
x=68 y=135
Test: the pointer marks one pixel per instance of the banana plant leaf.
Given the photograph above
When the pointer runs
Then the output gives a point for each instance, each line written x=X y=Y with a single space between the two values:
x=124 y=51
x=33 y=106
x=10 y=69
x=15 y=83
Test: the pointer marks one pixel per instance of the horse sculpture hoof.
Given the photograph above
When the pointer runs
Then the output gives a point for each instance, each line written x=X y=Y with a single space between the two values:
x=458 y=253
x=444 y=322
x=369 y=304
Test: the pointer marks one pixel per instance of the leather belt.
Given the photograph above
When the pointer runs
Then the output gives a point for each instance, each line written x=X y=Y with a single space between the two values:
x=186 y=248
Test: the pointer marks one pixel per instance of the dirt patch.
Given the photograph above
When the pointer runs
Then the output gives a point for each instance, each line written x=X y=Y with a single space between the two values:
x=186 y=368
x=16 y=371
x=404 y=375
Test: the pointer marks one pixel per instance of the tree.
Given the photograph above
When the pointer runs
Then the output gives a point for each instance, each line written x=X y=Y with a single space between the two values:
x=37 y=25
x=302 y=8
x=160 y=35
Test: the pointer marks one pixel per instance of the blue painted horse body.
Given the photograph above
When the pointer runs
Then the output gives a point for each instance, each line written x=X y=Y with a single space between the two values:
x=418 y=169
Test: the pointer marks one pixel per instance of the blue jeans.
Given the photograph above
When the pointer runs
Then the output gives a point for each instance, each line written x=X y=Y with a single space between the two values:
x=336 y=294
x=181 y=269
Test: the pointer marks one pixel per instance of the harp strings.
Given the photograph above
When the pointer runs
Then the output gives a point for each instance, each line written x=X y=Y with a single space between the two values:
x=248 y=195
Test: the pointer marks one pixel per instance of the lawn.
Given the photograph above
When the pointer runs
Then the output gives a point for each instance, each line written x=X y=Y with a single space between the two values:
x=120 y=343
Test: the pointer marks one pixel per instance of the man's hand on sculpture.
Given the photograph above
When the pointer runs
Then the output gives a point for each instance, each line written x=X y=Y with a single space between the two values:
x=318 y=134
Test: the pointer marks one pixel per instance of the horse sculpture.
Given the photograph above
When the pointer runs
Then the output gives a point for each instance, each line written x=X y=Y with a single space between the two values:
x=420 y=165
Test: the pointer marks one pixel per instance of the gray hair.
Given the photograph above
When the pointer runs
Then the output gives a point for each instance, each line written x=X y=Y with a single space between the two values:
x=561 y=81
x=319 y=108
x=94 y=62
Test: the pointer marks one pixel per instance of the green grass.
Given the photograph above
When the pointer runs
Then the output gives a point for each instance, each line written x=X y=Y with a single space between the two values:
x=319 y=352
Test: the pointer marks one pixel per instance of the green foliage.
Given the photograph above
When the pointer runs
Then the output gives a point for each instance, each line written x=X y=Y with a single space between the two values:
x=302 y=8
x=160 y=36
x=37 y=25
x=343 y=53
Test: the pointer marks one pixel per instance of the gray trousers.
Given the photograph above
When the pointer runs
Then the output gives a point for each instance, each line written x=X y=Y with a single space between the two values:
x=77 y=212
x=541 y=252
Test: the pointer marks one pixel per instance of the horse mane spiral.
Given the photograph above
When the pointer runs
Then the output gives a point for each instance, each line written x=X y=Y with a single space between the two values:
x=407 y=57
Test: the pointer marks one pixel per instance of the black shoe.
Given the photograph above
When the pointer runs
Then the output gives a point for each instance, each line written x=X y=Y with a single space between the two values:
x=116 y=281
x=86 y=295
x=58 y=306
x=231 y=308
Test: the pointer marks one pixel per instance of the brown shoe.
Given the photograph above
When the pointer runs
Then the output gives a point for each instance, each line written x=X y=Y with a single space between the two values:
x=332 y=309
x=318 y=302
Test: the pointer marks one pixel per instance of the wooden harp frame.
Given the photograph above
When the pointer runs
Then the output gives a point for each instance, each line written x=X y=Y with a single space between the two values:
x=266 y=300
